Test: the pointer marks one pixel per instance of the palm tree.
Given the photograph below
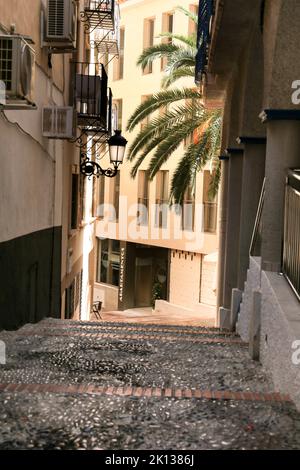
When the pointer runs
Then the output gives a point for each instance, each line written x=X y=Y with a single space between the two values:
x=181 y=116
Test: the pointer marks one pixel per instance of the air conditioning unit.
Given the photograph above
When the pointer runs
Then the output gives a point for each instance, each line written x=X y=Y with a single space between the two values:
x=60 y=25
x=17 y=59
x=58 y=122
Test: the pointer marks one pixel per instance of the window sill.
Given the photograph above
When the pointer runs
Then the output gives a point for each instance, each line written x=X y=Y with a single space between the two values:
x=104 y=284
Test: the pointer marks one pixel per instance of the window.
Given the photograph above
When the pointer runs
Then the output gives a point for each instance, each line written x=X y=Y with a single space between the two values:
x=82 y=197
x=209 y=205
x=115 y=194
x=192 y=25
x=167 y=27
x=118 y=69
x=188 y=210
x=73 y=296
x=148 y=39
x=117 y=114
x=189 y=139
x=74 y=202
x=146 y=120
x=108 y=261
x=162 y=201
x=143 y=197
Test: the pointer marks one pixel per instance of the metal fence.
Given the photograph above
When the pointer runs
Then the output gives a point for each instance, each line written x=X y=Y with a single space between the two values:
x=91 y=97
x=291 y=239
x=99 y=14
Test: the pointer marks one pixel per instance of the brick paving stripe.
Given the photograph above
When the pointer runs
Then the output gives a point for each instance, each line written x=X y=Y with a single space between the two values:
x=97 y=335
x=145 y=392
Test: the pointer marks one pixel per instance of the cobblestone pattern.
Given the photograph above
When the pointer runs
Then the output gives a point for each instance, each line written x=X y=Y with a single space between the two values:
x=134 y=360
x=122 y=387
x=65 y=421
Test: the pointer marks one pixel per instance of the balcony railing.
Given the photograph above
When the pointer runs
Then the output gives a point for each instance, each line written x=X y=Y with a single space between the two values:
x=203 y=37
x=210 y=217
x=91 y=97
x=107 y=41
x=98 y=14
x=291 y=239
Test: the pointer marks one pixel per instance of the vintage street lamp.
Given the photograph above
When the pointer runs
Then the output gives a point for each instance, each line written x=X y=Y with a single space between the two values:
x=117 y=144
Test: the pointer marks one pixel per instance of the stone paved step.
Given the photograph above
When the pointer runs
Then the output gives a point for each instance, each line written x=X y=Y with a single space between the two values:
x=107 y=327
x=89 y=421
x=114 y=387
x=63 y=356
x=132 y=326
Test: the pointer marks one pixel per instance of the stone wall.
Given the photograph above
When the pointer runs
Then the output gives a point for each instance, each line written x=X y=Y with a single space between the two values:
x=252 y=283
x=280 y=327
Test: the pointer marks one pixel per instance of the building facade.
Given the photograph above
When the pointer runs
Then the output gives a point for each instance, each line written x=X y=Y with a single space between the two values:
x=252 y=66
x=47 y=207
x=147 y=251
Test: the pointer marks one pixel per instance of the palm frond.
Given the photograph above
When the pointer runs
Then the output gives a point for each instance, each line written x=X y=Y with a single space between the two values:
x=156 y=52
x=159 y=100
x=168 y=145
x=165 y=143
x=181 y=58
x=215 y=181
x=188 y=13
x=182 y=177
x=187 y=169
x=190 y=41
x=177 y=74
x=165 y=121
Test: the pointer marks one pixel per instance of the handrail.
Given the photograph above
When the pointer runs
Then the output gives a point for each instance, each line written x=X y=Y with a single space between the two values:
x=291 y=236
x=257 y=226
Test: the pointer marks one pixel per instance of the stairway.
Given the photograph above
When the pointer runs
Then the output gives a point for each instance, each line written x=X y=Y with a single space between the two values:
x=90 y=385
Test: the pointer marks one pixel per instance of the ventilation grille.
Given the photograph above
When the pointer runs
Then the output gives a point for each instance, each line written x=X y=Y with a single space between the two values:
x=6 y=62
x=56 y=14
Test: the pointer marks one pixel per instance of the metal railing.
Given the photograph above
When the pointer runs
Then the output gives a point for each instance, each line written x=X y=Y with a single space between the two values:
x=210 y=217
x=203 y=37
x=98 y=14
x=291 y=238
x=91 y=96
x=107 y=41
x=256 y=240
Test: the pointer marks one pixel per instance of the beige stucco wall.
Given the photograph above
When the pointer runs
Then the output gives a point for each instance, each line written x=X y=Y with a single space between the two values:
x=189 y=272
x=35 y=177
x=130 y=89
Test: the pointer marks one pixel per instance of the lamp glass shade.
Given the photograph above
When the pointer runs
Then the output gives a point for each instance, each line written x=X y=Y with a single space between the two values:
x=117 y=144
x=116 y=153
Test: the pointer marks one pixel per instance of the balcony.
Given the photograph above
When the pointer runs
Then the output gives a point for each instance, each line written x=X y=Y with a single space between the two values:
x=91 y=97
x=107 y=41
x=291 y=238
x=98 y=14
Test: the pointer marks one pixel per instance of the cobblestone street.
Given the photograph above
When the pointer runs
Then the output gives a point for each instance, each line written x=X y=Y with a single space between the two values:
x=75 y=385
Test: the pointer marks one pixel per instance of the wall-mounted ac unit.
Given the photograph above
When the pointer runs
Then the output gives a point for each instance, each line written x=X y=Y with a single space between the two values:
x=17 y=59
x=58 y=122
x=60 y=25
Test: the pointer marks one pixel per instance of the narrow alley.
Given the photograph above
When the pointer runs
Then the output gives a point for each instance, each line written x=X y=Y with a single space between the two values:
x=87 y=385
